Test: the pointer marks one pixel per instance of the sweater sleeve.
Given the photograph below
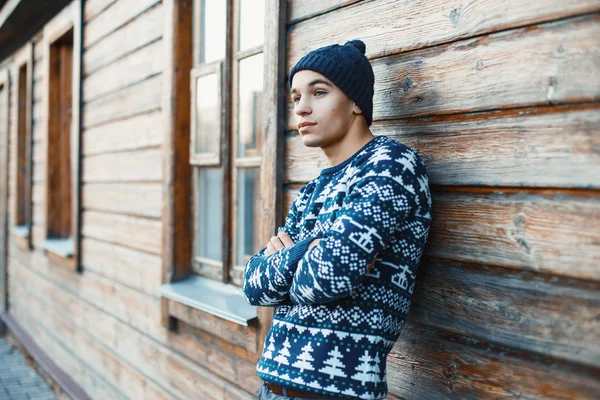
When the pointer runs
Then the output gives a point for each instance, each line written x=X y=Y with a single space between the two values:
x=267 y=278
x=370 y=214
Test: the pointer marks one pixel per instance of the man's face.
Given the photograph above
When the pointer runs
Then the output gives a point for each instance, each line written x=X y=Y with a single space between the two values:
x=325 y=113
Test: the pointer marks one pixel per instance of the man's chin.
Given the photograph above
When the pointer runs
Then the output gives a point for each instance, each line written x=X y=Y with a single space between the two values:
x=311 y=140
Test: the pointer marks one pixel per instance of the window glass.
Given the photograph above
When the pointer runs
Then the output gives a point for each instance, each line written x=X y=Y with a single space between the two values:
x=250 y=105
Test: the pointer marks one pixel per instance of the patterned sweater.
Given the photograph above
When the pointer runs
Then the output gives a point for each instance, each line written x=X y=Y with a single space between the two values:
x=335 y=321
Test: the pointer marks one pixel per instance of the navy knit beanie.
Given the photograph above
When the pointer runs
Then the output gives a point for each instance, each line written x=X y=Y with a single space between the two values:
x=348 y=68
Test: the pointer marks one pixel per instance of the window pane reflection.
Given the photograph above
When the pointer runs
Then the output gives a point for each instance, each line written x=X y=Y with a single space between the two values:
x=207 y=114
x=250 y=106
x=248 y=199
x=213 y=27
x=252 y=23
x=210 y=213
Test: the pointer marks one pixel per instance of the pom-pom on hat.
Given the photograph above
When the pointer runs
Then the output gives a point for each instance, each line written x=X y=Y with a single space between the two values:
x=347 y=67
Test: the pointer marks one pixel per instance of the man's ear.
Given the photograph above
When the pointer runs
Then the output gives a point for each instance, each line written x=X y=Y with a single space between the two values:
x=356 y=109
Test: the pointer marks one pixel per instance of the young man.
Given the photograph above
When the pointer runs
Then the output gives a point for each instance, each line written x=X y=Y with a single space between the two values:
x=341 y=271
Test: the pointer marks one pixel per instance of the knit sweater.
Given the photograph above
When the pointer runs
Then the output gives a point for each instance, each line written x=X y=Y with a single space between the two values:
x=335 y=320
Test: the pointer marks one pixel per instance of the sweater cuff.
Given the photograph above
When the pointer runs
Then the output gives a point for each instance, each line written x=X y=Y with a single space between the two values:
x=299 y=249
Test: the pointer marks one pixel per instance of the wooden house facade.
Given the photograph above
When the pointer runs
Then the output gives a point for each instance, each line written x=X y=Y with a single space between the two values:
x=148 y=148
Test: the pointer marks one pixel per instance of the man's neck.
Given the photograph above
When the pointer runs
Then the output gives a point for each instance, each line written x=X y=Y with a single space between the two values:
x=352 y=142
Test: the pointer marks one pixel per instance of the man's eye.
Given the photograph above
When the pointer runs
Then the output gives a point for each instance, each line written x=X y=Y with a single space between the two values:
x=296 y=99
x=319 y=92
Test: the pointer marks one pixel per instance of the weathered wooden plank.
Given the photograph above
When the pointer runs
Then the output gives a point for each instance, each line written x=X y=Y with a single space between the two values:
x=139 y=310
x=427 y=363
x=179 y=375
x=137 y=99
x=101 y=361
x=134 y=67
x=38 y=195
x=243 y=336
x=132 y=268
x=38 y=48
x=554 y=233
x=515 y=229
x=543 y=147
x=143 y=199
x=37 y=110
x=547 y=64
x=135 y=133
x=226 y=359
x=113 y=18
x=389 y=27
x=93 y=383
x=130 y=166
x=133 y=232
x=92 y=8
x=303 y=9
x=539 y=314
x=141 y=31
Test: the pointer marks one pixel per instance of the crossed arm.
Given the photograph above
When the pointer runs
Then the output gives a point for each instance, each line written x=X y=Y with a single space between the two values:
x=314 y=270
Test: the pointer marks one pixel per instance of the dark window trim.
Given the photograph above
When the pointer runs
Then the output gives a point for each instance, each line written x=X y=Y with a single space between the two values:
x=70 y=18
x=23 y=232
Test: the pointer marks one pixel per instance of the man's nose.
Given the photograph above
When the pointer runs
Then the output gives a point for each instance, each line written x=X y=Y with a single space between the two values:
x=302 y=107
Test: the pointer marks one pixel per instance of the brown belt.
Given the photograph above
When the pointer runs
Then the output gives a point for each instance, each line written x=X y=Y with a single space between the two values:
x=291 y=392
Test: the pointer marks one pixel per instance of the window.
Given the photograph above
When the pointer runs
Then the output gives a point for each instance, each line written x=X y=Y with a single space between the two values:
x=226 y=132
x=223 y=164
x=62 y=46
x=23 y=141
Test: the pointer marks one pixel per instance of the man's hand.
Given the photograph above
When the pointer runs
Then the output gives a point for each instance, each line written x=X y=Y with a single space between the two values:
x=279 y=242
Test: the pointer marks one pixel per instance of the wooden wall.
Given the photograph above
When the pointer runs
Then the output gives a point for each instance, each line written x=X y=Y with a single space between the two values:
x=501 y=100
x=103 y=327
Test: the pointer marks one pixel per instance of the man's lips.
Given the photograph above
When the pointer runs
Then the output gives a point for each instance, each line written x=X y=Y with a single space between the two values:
x=305 y=124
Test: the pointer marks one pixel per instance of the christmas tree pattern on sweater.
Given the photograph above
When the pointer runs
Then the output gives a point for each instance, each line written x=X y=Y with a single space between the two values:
x=335 y=321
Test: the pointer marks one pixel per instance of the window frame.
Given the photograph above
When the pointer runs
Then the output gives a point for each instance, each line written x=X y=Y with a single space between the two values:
x=180 y=32
x=4 y=119
x=22 y=233
x=65 y=251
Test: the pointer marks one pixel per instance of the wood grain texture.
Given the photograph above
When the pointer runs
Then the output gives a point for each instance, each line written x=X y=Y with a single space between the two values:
x=134 y=67
x=138 y=33
x=140 y=98
x=133 y=232
x=102 y=361
x=536 y=147
x=239 y=335
x=113 y=18
x=519 y=230
x=541 y=315
x=391 y=26
x=181 y=376
x=138 y=132
x=427 y=363
x=92 y=382
x=141 y=199
x=539 y=65
x=94 y=7
x=302 y=9
x=133 y=268
x=130 y=166
x=514 y=229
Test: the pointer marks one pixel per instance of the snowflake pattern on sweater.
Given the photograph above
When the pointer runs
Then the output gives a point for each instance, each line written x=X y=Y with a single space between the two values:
x=335 y=321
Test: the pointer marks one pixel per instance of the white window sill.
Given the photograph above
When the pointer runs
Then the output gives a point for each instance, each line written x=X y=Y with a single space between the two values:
x=60 y=247
x=214 y=297
x=21 y=231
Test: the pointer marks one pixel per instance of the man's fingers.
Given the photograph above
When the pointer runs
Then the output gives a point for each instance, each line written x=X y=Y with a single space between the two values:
x=269 y=249
x=276 y=243
x=285 y=239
